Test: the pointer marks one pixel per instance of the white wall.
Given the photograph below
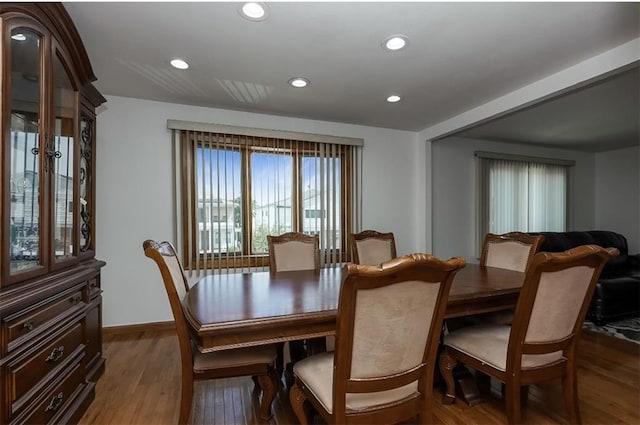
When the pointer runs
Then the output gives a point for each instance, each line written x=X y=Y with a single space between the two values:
x=135 y=200
x=454 y=191
x=618 y=194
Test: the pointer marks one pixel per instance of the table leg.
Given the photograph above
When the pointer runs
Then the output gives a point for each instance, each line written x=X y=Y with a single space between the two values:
x=460 y=383
x=466 y=387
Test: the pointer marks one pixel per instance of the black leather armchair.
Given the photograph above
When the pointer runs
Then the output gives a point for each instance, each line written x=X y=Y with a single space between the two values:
x=617 y=293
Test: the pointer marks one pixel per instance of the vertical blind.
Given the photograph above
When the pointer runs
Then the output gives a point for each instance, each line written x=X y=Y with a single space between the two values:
x=521 y=194
x=233 y=190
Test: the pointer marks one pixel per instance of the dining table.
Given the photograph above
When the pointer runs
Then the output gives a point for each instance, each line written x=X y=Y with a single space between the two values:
x=231 y=310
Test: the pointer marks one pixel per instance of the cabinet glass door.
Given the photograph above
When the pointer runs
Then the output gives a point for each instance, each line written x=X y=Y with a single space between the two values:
x=61 y=151
x=25 y=152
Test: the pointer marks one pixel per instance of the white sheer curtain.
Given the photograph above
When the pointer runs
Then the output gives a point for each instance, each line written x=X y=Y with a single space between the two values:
x=521 y=194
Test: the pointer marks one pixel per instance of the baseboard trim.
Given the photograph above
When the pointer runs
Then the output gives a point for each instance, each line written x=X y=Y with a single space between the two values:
x=141 y=327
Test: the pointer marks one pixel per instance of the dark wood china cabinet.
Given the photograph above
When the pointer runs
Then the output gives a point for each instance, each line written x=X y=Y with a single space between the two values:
x=50 y=296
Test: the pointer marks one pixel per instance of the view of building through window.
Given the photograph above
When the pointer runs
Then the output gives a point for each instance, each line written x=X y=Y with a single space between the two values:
x=288 y=192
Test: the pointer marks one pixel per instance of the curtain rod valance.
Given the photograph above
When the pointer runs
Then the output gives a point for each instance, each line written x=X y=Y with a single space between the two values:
x=522 y=158
x=262 y=132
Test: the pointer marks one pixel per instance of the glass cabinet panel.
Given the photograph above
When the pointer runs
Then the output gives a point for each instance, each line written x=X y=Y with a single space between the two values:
x=60 y=153
x=24 y=181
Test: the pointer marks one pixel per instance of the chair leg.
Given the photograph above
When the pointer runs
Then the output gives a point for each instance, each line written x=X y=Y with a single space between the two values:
x=447 y=363
x=524 y=393
x=297 y=399
x=570 y=390
x=512 y=402
x=186 y=397
x=269 y=386
x=280 y=358
x=426 y=413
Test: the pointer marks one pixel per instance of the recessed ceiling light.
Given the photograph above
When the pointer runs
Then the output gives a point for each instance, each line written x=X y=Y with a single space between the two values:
x=299 y=82
x=19 y=37
x=179 y=63
x=254 y=11
x=393 y=98
x=395 y=42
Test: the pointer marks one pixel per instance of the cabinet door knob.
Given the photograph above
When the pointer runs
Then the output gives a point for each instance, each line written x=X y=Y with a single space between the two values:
x=56 y=354
x=28 y=326
x=76 y=299
x=55 y=403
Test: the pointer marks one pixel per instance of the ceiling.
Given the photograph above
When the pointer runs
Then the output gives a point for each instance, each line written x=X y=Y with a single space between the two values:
x=603 y=116
x=460 y=56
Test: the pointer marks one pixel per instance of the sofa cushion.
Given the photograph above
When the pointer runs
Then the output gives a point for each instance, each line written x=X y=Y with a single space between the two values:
x=562 y=241
x=623 y=288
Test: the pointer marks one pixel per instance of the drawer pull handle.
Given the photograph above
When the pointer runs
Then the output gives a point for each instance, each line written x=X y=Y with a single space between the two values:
x=76 y=299
x=55 y=403
x=28 y=326
x=55 y=355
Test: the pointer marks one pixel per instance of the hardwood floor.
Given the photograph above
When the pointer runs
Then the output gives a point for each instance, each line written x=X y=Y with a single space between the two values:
x=141 y=385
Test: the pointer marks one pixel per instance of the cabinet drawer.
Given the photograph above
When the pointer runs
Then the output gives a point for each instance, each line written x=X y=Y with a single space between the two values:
x=55 y=400
x=94 y=288
x=22 y=324
x=26 y=374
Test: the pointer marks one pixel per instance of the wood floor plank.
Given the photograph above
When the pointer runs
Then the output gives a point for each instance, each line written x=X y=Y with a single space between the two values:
x=141 y=386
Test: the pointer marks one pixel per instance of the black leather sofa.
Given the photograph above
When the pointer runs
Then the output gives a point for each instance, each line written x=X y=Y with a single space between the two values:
x=617 y=293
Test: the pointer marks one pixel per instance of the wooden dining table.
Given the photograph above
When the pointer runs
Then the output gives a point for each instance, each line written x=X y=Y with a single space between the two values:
x=230 y=310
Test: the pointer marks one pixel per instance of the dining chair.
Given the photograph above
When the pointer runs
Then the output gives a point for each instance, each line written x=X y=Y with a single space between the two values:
x=388 y=327
x=256 y=361
x=512 y=251
x=372 y=247
x=293 y=251
x=542 y=341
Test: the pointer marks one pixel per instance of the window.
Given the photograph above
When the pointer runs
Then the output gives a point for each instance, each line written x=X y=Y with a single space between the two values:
x=237 y=189
x=521 y=194
x=313 y=213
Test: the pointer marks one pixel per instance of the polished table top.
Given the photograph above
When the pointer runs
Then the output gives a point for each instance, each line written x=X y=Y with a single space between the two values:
x=242 y=309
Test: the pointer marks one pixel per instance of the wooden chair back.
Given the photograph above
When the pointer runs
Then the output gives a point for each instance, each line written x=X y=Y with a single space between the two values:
x=553 y=302
x=175 y=283
x=388 y=328
x=293 y=251
x=512 y=251
x=371 y=247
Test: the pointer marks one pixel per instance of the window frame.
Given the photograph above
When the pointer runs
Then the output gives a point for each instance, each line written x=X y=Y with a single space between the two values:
x=246 y=145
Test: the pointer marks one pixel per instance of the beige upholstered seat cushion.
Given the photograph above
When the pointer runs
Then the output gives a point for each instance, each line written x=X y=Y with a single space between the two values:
x=488 y=343
x=316 y=373
x=294 y=255
x=231 y=358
